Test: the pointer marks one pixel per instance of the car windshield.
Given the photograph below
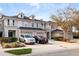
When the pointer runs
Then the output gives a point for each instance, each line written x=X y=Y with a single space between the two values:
x=28 y=36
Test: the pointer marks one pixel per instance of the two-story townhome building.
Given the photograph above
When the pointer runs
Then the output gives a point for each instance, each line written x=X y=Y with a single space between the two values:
x=14 y=26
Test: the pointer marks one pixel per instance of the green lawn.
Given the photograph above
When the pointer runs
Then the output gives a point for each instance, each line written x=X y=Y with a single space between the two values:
x=20 y=51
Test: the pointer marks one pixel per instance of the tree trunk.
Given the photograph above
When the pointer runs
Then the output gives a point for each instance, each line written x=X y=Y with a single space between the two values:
x=68 y=35
x=65 y=36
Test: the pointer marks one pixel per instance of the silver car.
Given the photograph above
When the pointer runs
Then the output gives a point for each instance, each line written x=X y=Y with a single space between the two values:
x=26 y=38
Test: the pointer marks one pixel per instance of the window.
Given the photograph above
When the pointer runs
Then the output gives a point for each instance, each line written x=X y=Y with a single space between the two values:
x=0 y=24
x=1 y=34
x=44 y=25
x=8 y=21
x=11 y=33
x=22 y=36
x=32 y=24
x=21 y=15
x=37 y=25
x=28 y=36
x=13 y=22
x=41 y=24
x=28 y=33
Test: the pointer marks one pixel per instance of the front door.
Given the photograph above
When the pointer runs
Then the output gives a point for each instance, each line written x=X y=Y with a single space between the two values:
x=11 y=33
x=0 y=34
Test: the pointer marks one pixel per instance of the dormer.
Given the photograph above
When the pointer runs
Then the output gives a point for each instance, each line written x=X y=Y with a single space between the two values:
x=21 y=15
x=32 y=17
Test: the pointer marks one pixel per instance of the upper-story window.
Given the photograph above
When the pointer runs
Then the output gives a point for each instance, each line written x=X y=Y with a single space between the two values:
x=44 y=25
x=37 y=25
x=32 y=24
x=8 y=22
x=13 y=22
x=41 y=24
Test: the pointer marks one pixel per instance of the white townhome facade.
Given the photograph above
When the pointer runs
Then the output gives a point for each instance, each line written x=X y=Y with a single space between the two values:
x=14 y=26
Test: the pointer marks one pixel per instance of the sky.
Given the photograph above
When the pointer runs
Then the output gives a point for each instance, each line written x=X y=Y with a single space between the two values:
x=40 y=10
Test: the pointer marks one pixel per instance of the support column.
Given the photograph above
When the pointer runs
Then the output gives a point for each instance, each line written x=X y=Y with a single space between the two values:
x=19 y=33
x=5 y=32
x=49 y=34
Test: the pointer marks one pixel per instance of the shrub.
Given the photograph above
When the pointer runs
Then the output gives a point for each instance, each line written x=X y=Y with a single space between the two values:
x=5 y=39
x=58 y=38
x=12 y=45
x=13 y=39
x=19 y=44
x=75 y=34
x=8 y=39
x=61 y=39
x=6 y=45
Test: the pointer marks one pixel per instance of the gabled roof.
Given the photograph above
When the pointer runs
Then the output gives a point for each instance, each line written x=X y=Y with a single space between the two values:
x=25 y=17
x=16 y=16
x=56 y=30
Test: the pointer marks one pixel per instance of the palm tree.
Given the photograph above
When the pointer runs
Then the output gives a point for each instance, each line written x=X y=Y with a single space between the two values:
x=63 y=18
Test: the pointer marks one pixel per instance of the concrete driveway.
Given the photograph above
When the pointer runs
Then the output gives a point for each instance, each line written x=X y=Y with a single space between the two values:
x=48 y=49
x=51 y=48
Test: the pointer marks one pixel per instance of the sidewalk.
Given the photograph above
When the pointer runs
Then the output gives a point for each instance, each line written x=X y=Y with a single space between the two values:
x=2 y=53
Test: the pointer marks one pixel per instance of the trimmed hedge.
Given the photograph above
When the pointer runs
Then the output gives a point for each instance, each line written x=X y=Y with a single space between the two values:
x=61 y=39
x=20 y=51
x=8 y=39
x=14 y=39
x=75 y=35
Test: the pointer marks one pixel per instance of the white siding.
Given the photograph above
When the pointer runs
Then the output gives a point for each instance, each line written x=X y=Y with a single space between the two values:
x=5 y=22
x=19 y=23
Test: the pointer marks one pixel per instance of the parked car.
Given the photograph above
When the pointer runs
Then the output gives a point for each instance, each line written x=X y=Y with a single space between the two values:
x=26 y=38
x=41 y=39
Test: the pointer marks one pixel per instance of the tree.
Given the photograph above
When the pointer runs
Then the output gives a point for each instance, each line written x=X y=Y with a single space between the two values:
x=64 y=18
x=76 y=20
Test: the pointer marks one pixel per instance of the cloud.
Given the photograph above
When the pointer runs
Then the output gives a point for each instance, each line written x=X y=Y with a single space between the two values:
x=1 y=9
x=36 y=5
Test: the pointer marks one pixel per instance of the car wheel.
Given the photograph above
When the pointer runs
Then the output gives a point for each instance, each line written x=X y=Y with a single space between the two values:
x=19 y=40
x=33 y=43
x=38 y=42
x=24 y=41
